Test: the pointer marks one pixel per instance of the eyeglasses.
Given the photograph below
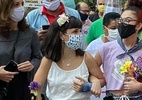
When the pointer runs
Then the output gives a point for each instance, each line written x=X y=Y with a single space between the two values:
x=126 y=20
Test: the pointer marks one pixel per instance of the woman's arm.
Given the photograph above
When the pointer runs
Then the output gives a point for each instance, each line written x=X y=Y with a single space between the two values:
x=94 y=68
x=41 y=74
x=98 y=60
x=96 y=77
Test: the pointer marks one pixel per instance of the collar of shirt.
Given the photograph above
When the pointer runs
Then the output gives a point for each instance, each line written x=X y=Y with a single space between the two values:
x=50 y=17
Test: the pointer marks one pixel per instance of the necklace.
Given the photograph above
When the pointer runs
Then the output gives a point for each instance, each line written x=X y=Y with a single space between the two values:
x=68 y=64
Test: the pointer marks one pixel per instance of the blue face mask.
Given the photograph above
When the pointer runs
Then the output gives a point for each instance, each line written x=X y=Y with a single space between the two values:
x=75 y=41
x=83 y=16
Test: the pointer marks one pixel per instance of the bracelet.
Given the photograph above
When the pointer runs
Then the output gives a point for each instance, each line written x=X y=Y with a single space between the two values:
x=86 y=87
x=34 y=86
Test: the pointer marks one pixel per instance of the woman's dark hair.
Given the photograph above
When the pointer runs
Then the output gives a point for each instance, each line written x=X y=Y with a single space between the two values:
x=137 y=12
x=137 y=3
x=53 y=44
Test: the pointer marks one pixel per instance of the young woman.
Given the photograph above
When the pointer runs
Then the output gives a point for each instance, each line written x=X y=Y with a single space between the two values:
x=20 y=43
x=65 y=62
x=114 y=54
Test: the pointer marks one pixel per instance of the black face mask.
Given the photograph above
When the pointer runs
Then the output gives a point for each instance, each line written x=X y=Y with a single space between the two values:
x=126 y=30
x=83 y=16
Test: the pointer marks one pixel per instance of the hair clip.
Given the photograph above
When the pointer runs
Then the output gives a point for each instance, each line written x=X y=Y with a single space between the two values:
x=63 y=18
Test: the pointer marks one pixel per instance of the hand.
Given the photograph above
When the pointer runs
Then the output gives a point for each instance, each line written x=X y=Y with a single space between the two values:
x=131 y=84
x=25 y=66
x=42 y=34
x=6 y=75
x=78 y=84
x=96 y=88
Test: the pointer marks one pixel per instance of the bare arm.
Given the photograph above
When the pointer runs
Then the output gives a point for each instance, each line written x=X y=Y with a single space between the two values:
x=42 y=74
x=97 y=79
x=94 y=69
x=98 y=60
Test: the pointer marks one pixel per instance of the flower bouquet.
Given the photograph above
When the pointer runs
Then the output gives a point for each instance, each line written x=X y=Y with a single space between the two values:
x=132 y=68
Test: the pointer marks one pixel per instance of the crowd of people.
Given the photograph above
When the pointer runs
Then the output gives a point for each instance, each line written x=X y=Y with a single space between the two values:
x=61 y=51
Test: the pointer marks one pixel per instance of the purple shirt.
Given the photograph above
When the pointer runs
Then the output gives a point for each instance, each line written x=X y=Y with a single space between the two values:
x=111 y=65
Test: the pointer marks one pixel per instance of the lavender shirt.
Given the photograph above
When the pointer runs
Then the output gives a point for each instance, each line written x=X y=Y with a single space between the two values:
x=111 y=65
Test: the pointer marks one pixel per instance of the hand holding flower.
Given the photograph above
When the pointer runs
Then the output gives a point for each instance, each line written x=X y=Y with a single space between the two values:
x=132 y=71
x=132 y=84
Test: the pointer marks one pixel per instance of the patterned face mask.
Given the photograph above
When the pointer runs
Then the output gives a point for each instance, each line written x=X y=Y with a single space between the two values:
x=75 y=41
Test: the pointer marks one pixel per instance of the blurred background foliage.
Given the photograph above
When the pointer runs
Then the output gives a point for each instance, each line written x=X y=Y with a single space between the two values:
x=92 y=3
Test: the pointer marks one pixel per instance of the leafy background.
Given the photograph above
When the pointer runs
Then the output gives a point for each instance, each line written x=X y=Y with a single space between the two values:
x=92 y=3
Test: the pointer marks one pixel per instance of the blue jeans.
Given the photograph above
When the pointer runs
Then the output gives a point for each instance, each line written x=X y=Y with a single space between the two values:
x=134 y=96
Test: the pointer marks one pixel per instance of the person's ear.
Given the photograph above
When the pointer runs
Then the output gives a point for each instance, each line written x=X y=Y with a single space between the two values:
x=61 y=36
x=139 y=26
x=105 y=30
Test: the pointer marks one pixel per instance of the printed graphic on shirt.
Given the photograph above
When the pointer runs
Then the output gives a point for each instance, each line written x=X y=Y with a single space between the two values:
x=116 y=73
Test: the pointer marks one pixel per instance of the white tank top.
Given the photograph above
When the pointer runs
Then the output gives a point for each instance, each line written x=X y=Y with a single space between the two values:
x=60 y=82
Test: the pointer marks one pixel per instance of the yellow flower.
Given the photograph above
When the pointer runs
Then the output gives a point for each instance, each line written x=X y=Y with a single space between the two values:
x=125 y=68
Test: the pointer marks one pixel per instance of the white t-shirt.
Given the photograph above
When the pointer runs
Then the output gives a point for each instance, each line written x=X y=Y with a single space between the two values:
x=93 y=47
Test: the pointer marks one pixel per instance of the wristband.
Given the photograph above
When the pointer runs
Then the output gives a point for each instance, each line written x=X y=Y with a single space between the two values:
x=86 y=87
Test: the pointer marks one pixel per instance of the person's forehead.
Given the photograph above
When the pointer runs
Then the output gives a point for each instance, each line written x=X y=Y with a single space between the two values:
x=101 y=1
x=84 y=6
x=113 y=23
x=18 y=0
x=128 y=14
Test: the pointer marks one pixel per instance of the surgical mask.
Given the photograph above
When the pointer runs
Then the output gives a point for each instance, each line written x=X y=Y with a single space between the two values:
x=126 y=30
x=101 y=8
x=18 y=14
x=52 y=6
x=112 y=9
x=75 y=41
x=83 y=16
x=113 y=34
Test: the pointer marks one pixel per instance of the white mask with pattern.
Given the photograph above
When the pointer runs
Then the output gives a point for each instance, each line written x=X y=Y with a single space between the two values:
x=75 y=41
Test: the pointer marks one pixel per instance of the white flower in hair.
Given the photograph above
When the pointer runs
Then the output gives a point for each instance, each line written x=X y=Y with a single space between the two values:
x=62 y=19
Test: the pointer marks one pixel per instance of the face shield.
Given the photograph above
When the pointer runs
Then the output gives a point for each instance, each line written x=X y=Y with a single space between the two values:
x=113 y=6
